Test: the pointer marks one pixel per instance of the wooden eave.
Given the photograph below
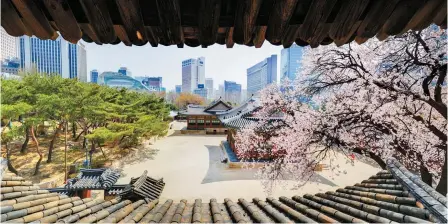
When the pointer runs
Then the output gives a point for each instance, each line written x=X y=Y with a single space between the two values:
x=225 y=22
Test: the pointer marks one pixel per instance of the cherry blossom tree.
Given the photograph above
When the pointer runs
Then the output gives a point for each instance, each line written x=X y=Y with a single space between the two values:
x=380 y=99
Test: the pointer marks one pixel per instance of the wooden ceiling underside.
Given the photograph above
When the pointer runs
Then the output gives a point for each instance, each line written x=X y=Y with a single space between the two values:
x=226 y=22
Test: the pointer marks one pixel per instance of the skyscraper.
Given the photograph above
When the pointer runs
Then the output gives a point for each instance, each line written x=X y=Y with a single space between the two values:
x=209 y=87
x=77 y=62
x=178 y=89
x=232 y=91
x=9 y=45
x=221 y=92
x=290 y=62
x=193 y=74
x=53 y=56
x=262 y=74
x=94 y=76
x=203 y=92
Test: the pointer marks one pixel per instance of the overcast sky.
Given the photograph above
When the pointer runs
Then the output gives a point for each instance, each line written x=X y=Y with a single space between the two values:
x=221 y=63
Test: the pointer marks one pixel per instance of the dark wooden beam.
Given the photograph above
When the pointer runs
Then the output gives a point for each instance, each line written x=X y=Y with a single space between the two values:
x=64 y=19
x=424 y=16
x=350 y=35
x=290 y=35
x=279 y=19
x=361 y=40
x=132 y=21
x=320 y=34
x=87 y=30
x=301 y=43
x=229 y=38
x=397 y=21
x=317 y=15
x=153 y=39
x=35 y=18
x=350 y=12
x=122 y=35
x=441 y=14
x=11 y=21
x=208 y=20
x=170 y=21
x=259 y=36
x=99 y=19
x=221 y=39
x=192 y=42
x=245 y=19
x=378 y=13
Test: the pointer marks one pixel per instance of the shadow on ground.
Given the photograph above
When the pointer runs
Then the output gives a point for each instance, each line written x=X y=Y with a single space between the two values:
x=135 y=155
x=218 y=171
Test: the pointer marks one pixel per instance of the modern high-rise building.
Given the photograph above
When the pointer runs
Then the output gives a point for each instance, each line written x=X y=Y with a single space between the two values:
x=153 y=83
x=221 y=92
x=290 y=62
x=94 y=76
x=262 y=74
x=244 y=95
x=232 y=91
x=178 y=89
x=125 y=71
x=10 y=66
x=9 y=45
x=53 y=56
x=209 y=87
x=193 y=74
x=202 y=92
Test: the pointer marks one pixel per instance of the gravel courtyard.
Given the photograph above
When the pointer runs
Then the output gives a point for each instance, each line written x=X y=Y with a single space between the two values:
x=191 y=168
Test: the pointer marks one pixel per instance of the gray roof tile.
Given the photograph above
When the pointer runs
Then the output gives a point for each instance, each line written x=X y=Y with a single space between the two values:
x=381 y=200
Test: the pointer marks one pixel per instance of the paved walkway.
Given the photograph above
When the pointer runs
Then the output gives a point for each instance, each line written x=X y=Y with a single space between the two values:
x=191 y=168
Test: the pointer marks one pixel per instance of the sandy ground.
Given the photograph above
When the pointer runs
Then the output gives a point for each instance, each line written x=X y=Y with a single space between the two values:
x=191 y=168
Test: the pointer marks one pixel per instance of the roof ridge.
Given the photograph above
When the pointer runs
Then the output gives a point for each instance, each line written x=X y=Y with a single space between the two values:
x=435 y=202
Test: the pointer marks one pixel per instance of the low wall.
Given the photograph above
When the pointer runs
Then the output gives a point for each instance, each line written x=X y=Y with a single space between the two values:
x=232 y=161
x=56 y=182
x=208 y=131
x=220 y=131
x=193 y=132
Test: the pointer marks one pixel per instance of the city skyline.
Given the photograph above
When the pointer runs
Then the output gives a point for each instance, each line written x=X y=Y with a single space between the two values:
x=222 y=64
x=218 y=63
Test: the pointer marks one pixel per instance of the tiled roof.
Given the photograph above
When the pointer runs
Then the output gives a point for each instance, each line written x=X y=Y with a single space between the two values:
x=215 y=103
x=93 y=179
x=428 y=196
x=242 y=116
x=381 y=198
x=143 y=187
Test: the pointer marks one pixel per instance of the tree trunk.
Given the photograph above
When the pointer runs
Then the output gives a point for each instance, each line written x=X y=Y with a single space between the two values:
x=92 y=150
x=53 y=140
x=77 y=137
x=441 y=187
x=73 y=130
x=24 y=147
x=84 y=143
x=104 y=154
x=33 y=137
x=425 y=175
x=8 y=160
x=65 y=153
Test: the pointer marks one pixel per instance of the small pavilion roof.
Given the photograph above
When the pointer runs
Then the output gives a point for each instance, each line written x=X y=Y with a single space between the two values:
x=215 y=107
x=225 y=22
x=93 y=179
x=393 y=195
